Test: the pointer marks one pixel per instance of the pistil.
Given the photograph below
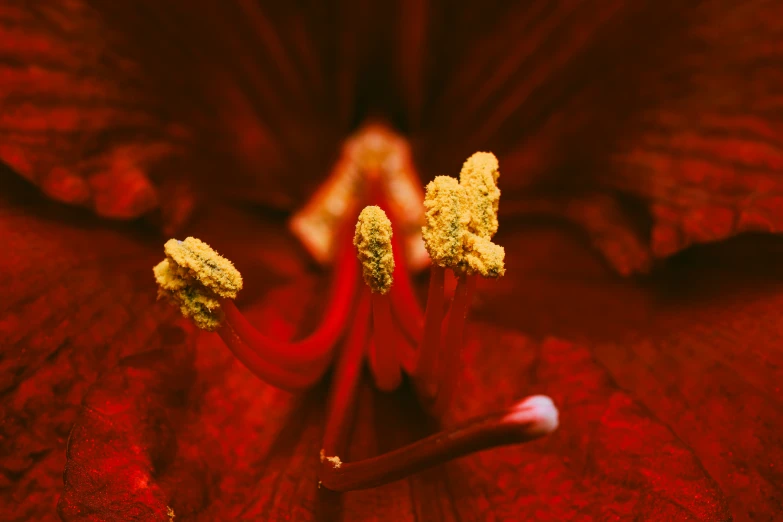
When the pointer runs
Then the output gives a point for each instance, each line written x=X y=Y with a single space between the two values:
x=530 y=419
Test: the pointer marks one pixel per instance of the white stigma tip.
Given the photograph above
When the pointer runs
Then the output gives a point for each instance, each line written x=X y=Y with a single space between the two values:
x=538 y=413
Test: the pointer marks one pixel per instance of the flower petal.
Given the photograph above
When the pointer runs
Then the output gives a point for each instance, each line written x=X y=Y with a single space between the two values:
x=669 y=106
x=704 y=147
x=197 y=433
x=78 y=119
x=76 y=298
x=669 y=388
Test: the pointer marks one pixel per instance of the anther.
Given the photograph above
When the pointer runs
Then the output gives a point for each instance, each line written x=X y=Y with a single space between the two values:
x=196 y=278
x=373 y=245
x=448 y=216
x=479 y=177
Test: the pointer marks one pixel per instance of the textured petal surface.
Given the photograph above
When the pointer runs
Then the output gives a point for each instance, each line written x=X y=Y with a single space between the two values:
x=676 y=378
x=77 y=298
x=79 y=119
x=669 y=106
x=79 y=305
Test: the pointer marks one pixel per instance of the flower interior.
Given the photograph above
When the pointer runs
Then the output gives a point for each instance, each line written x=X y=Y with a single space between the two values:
x=379 y=323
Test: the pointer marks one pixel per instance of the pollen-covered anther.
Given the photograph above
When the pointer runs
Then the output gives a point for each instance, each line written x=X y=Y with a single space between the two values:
x=195 y=277
x=479 y=177
x=483 y=257
x=447 y=214
x=374 y=248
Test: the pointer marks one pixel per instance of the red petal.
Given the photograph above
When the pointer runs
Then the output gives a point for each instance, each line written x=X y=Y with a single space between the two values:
x=200 y=435
x=78 y=297
x=671 y=105
x=690 y=367
x=77 y=118
x=704 y=146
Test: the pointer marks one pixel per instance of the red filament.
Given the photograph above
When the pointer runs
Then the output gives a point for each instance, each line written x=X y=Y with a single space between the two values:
x=316 y=349
x=430 y=340
x=384 y=360
x=346 y=379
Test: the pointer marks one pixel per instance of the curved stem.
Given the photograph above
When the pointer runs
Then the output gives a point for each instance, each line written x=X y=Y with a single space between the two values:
x=529 y=420
x=316 y=348
x=263 y=369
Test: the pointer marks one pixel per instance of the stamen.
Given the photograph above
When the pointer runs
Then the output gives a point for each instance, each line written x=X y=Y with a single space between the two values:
x=531 y=419
x=374 y=249
x=447 y=218
x=196 y=278
x=203 y=283
x=461 y=219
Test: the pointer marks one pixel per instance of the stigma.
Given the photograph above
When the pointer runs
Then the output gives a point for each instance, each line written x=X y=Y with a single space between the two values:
x=373 y=319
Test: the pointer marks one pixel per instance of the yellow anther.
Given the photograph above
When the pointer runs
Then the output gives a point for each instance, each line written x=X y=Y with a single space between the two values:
x=484 y=257
x=479 y=176
x=195 y=278
x=447 y=214
x=374 y=249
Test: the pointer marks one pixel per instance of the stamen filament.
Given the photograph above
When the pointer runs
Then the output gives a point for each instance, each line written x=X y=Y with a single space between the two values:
x=346 y=379
x=384 y=361
x=451 y=348
x=533 y=418
x=315 y=350
x=268 y=372
x=430 y=341
x=405 y=306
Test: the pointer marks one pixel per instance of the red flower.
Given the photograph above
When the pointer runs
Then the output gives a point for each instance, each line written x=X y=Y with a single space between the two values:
x=650 y=126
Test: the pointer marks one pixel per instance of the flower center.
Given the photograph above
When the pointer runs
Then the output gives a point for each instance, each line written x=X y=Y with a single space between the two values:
x=388 y=328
